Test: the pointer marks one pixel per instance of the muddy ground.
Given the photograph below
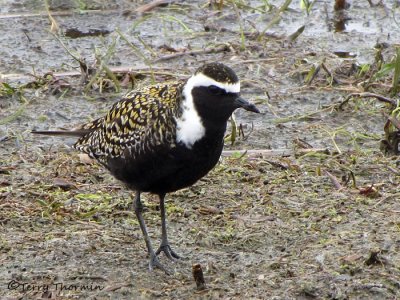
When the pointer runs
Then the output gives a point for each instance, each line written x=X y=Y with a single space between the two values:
x=319 y=221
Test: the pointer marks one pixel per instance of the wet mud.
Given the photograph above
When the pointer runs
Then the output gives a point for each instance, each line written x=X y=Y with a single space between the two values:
x=313 y=214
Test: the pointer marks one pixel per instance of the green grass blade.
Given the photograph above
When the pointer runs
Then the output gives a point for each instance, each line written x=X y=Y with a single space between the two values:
x=396 y=75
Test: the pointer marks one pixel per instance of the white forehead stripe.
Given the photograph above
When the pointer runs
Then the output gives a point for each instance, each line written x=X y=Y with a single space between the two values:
x=202 y=80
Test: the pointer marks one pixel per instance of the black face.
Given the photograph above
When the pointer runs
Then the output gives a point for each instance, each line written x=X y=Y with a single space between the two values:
x=215 y=104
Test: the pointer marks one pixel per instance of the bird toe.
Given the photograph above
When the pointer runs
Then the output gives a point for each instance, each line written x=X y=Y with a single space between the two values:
x=171 y=254
x=154 y=263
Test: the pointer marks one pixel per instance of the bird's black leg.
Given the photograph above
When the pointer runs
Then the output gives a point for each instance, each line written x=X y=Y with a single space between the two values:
x=165 y=247
x=154 y=262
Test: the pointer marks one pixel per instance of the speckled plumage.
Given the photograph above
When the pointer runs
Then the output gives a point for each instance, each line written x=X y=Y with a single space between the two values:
x=141 y=121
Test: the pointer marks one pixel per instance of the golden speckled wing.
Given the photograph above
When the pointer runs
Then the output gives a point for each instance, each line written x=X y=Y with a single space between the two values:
x=141 y=121
x=92 y=125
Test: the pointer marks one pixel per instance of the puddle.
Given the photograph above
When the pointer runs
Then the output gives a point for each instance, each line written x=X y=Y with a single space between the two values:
x=75 y=33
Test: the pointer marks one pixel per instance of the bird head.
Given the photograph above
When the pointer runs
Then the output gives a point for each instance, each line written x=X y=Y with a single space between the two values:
x=215 y=90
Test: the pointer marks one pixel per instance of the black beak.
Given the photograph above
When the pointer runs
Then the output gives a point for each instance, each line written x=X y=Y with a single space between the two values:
x=240 y=102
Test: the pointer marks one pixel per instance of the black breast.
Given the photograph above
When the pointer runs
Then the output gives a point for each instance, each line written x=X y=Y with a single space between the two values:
x=165 y=170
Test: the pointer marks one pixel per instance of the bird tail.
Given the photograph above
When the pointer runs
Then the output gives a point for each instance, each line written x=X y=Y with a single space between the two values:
x=77 y=133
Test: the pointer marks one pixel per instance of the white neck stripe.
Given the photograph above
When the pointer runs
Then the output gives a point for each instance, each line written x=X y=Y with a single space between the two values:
x=190 y=127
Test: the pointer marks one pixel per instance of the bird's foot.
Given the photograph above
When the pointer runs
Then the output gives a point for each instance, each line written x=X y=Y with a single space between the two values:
x=171 y=254
x=155 y=263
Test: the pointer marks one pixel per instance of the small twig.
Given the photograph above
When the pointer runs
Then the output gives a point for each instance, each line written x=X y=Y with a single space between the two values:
x=367 y=95
x=251 y=61
x=316 y=71
x=395 y=122
x=380 y=201
x=275 y=152
x=115 y=287
x=57 y=13
x=296 y=34
x=334 y=180
x=219 y=49
x=329 y=73
x=393 y=170
x=149 y=6
x=120 y=70
x=249 y=34
x=241 y=131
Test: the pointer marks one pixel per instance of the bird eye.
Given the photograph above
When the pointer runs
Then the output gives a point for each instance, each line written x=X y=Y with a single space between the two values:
x=215 y=90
